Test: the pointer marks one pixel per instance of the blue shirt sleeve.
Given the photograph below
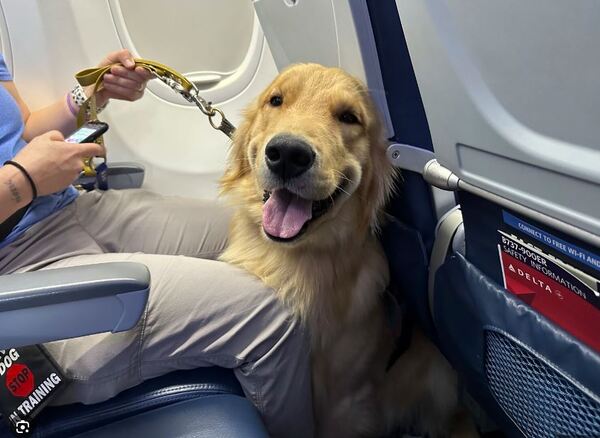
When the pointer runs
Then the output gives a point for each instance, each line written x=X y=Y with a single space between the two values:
x=4 y=73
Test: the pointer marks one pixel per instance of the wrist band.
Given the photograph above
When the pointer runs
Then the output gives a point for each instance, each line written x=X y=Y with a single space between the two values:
x=70 y=105
x=78 y=97
x=22 y=169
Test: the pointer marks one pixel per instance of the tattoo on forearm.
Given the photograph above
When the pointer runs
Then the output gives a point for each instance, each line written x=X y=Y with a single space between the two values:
x=14 y=191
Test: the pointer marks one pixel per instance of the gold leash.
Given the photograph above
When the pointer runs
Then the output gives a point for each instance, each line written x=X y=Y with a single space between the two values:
x=175 y=80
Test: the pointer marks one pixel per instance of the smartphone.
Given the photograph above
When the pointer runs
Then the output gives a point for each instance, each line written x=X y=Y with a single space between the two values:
x=88 y=132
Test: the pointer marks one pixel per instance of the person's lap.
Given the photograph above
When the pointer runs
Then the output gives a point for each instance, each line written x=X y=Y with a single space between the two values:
x=206 y=313
x=124 y=221
x=142 y=221
x=200 y=312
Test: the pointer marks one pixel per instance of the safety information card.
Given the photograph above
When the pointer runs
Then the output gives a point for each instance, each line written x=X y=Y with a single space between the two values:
x=548 y=281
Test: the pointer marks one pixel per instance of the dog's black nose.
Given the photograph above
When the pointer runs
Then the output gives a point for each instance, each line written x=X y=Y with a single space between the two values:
x=288 y=156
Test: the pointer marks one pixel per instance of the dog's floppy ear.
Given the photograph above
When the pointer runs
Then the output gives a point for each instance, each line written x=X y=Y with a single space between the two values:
x=237 y=162
x=380 y=177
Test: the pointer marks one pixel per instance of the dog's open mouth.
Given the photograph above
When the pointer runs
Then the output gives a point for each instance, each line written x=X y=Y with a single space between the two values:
x=286 y=216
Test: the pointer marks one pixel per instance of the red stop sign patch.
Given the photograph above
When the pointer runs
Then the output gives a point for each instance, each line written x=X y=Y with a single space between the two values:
x=19 y=380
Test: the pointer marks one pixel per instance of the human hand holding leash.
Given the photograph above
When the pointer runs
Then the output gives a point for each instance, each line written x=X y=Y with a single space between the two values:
x=124 y=82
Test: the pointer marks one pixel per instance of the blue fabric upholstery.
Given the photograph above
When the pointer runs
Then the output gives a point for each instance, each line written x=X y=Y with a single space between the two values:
x=409 y=239
x=408 y=262
x=154 y=397
x=413 y=204
x=403 y=97
x=223 y=416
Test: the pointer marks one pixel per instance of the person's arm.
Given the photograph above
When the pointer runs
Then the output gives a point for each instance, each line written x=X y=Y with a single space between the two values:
x=55 y=116
x=52 y=163
x=124 y=83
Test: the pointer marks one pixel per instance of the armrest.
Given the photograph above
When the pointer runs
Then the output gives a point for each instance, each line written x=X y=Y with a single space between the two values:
x=52 y=304
x=121 y=175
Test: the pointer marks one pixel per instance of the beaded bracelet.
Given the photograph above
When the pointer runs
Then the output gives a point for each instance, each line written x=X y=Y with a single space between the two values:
x=77 y=96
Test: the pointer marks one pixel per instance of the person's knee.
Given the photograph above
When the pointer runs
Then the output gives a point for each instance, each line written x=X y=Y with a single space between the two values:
x=287 y=337
x=231 y=317
x=291 y=330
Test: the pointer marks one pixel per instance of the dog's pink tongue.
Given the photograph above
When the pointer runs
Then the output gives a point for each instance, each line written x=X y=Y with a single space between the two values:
x=284 y=214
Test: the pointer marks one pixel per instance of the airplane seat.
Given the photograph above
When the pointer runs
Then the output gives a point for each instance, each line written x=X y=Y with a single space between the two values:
x=78 y=301
x=516 y=320
x=82 y=300
x=518 y=371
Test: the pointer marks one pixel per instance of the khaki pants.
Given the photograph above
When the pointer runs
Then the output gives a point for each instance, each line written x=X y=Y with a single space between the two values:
x=200 y=312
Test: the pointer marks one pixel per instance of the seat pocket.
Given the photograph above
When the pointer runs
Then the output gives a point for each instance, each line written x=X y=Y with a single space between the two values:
x=532 y=377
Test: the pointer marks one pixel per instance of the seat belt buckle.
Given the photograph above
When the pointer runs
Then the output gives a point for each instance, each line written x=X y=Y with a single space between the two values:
x=102 y=176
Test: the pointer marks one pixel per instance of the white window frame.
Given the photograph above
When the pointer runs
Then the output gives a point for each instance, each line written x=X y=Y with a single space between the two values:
x=228 y=87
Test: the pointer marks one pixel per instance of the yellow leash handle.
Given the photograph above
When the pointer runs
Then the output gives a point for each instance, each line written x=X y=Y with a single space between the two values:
x=94 y=75
x=177 y=81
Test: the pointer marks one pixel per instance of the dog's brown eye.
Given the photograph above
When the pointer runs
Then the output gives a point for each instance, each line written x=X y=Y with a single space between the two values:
x=276 y=100
x=348 y=118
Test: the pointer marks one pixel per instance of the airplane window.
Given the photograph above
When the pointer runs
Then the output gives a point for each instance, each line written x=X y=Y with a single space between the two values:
x=206 y=40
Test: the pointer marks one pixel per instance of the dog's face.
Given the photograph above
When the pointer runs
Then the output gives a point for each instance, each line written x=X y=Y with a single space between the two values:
x=308 y=163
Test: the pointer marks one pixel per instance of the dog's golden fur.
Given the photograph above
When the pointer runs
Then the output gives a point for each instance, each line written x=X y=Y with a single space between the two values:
x=332 y=276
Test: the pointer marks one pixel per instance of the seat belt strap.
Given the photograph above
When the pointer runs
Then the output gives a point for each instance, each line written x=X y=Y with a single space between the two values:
x=443 y=241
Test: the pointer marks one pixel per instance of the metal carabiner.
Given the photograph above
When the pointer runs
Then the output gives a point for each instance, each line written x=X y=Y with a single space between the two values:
x=177 y=87
x=172 y=83
x=225 y=126
x=200 y=102
x=193 y=96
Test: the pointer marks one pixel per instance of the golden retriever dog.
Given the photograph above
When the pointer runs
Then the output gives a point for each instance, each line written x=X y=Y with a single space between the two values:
x=309 y=176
